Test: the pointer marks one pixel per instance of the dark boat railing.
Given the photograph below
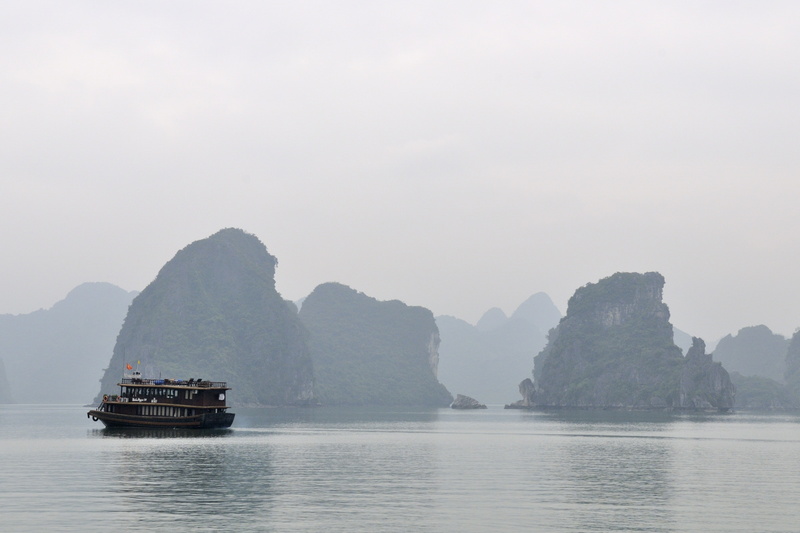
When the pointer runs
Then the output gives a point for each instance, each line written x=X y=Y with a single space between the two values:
x=180 y=382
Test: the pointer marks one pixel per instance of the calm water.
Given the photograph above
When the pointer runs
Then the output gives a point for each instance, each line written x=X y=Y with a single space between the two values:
x=403 y=470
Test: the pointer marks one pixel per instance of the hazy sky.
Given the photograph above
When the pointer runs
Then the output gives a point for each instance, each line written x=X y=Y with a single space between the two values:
x=456 y=155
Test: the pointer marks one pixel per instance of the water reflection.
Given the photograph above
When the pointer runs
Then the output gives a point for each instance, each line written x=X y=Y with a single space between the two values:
x=287 y=473
x=172 y=480
x=618 y=483
x=261 y=417
x=161 y=433
x=610 y=470
x=357 y=470
x=617 y=419
x=347 y=482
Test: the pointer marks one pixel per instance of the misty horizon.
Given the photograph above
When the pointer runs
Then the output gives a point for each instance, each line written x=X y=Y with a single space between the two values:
x=507 y=314
x=449 y=155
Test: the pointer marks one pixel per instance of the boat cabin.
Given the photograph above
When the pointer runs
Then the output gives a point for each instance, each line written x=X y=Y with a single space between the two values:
x=166 y=402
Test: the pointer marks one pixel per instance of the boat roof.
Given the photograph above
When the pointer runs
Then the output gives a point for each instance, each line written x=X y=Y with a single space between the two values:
x=174 y=383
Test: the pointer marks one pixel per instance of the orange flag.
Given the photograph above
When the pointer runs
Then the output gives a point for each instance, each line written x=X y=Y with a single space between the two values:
x=129 y=366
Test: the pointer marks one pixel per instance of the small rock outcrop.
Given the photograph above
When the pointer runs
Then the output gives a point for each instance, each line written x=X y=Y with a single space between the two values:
x=614 y=349
x=465 y=402
x=526 y=389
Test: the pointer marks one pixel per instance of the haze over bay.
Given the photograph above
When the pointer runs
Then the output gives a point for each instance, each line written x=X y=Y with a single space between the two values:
x=449 y=155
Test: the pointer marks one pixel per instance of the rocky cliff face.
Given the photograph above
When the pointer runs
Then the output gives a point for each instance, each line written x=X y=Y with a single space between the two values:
x=368 y=352
x=614 y=348
x=704 y=384
x=213 y=312
x=792 y=374
x=5 y=390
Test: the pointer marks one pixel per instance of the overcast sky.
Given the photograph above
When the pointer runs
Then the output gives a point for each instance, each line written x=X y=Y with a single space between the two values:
x=455 y=155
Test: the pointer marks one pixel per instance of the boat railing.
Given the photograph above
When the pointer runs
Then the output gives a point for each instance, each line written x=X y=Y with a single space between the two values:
x=181 y=382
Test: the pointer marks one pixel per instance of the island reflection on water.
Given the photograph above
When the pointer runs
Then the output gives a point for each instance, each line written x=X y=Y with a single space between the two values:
x=374 y=469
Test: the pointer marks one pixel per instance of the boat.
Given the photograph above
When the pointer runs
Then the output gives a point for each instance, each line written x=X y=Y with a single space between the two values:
x=165 y=403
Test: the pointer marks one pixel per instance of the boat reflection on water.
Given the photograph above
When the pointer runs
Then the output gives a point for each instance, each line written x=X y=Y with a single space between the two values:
x=181 y=480
x=160 y=433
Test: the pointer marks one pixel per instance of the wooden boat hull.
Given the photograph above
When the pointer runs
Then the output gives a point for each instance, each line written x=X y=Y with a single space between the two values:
x=201 y=421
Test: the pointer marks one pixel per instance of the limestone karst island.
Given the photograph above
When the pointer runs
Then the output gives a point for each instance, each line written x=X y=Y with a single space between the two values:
x=214 y=311
x=615 y=349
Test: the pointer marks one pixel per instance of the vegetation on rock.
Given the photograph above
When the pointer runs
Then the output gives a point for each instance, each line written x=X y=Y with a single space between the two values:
x=368 y=352
x=213 y=312
x=758 y=392
x=615 y=348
